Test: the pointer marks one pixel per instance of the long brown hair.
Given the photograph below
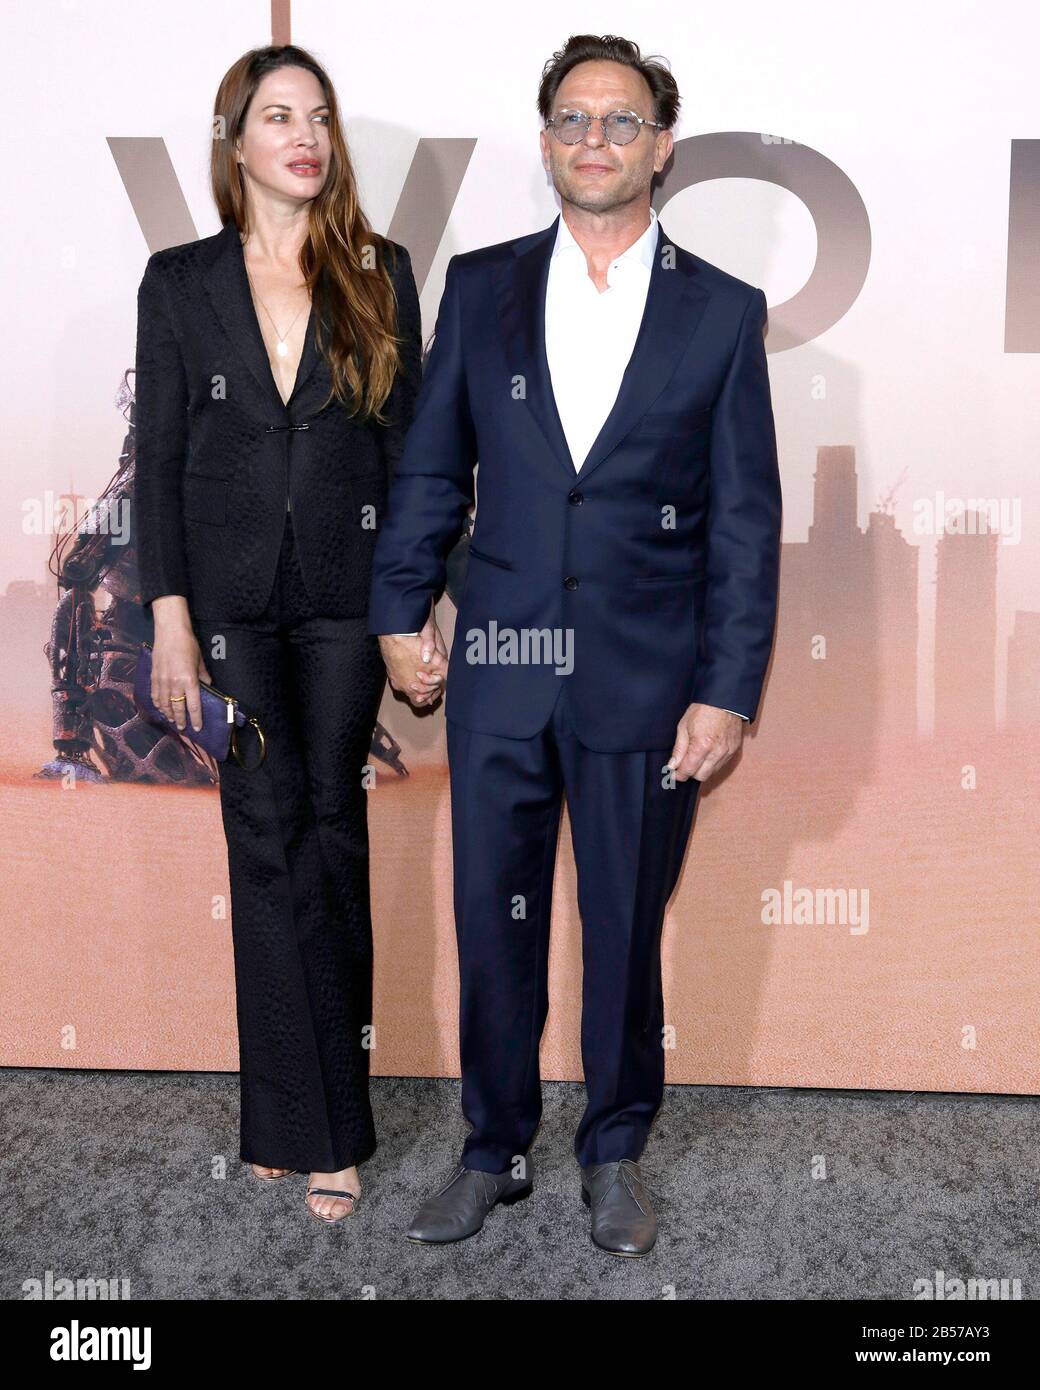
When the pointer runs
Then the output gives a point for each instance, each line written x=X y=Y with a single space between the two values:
x=343 y=261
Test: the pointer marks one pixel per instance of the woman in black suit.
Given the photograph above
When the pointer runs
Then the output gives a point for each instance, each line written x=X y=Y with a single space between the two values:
x=277 y=368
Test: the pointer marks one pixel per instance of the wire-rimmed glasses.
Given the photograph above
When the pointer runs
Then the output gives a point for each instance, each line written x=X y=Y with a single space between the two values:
x=619 y=127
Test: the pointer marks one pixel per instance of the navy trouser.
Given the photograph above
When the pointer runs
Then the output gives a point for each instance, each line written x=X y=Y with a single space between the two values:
x=298 y=860
x=629 y=833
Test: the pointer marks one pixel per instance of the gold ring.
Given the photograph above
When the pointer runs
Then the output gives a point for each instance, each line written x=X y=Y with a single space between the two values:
x=178 y=697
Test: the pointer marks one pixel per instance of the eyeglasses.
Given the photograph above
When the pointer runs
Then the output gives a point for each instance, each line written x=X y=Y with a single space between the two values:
x=619 y=127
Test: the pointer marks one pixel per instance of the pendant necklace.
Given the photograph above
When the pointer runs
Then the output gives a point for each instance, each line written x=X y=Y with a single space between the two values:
x=281 y=347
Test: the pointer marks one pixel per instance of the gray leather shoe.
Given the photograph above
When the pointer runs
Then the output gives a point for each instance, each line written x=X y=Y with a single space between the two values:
x=458 y=1209
x=623 y=1221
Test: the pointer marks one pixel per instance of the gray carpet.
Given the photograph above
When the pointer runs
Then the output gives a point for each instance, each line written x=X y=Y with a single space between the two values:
x=135 y=1176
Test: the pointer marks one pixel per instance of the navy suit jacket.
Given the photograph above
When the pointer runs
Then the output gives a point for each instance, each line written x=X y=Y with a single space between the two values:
x=658 y=559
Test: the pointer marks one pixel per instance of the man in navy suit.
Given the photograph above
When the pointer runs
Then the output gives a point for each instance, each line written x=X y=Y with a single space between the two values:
x=614 y=630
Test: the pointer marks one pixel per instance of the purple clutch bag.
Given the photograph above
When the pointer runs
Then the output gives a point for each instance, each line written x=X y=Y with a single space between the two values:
x=221 y=716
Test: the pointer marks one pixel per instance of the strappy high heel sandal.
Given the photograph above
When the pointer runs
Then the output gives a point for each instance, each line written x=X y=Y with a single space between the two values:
x=341 y=1193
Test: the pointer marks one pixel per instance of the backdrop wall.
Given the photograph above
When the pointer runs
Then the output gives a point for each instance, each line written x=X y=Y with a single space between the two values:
x=858 y=906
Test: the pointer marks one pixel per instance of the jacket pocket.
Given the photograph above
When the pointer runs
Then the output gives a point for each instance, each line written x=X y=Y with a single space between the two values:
x=671 y=424
x=491 y=559
x=686 y=578
x=205 y=499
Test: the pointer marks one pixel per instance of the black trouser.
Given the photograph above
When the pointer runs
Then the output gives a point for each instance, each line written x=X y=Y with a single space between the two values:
x=297 y=836
x=629 y=827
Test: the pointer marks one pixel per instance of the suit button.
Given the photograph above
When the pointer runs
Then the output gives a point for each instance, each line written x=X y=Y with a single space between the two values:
x=570 y=582
x=575 y=498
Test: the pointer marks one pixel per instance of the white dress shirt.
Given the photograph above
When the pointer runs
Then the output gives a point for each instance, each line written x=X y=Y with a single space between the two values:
x=589 y=336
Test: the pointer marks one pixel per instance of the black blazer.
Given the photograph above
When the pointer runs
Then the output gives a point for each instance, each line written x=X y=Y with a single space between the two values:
x=218 y=455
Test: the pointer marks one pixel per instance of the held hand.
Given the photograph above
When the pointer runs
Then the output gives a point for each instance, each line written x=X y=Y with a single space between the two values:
x=705 y=740
x=177 y=668
x=417 y=666
x=431 y=679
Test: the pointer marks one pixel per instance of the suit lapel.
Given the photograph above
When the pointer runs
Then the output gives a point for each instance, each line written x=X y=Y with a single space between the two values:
x=674 y=305
x=227 y=285
x=520 y=292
